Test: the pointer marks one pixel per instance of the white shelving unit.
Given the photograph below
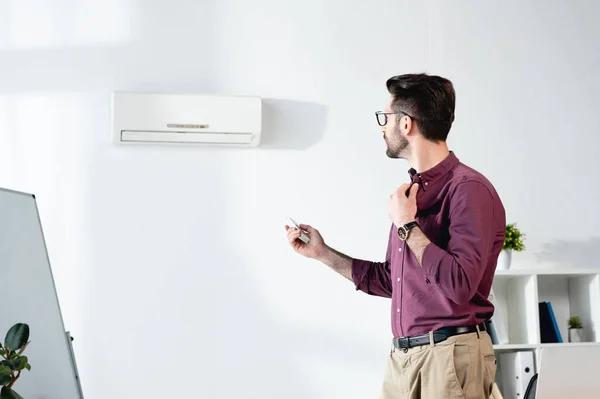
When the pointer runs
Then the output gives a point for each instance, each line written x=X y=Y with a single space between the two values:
x=571 y=292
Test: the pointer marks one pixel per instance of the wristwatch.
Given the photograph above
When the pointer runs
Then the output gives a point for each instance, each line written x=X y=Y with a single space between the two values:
x=403 y=230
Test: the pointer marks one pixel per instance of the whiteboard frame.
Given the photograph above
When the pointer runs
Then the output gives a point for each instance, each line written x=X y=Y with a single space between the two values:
x=67 y=336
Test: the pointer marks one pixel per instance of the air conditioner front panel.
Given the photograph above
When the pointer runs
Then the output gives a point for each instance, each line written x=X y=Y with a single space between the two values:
x=129 y=136
x=141 y=117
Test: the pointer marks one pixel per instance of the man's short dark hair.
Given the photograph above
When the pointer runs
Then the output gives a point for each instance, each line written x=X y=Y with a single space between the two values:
x=429 y=99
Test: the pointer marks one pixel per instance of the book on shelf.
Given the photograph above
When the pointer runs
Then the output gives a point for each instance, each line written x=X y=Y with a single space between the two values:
x=549 y=332
x=554 y=323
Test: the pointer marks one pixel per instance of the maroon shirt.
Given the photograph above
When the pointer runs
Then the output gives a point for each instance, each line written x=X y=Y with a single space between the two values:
x=460 y=212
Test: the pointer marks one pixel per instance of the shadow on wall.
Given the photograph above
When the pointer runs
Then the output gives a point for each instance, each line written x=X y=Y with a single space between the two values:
x=290 y=124
x=572 y=254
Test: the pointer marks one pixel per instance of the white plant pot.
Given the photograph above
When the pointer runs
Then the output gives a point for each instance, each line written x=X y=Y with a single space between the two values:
x=575 y=334
x=504 y=259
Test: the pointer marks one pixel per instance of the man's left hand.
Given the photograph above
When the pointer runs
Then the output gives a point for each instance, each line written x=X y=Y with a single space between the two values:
x=403 y=209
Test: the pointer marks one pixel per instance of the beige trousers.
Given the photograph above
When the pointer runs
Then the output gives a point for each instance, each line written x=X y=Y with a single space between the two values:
x=463 y=366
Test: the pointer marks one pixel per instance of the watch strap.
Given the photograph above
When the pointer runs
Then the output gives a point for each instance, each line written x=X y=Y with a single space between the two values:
x=410 y=225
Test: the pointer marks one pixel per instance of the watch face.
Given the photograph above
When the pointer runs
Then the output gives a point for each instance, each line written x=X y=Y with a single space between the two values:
x=402 y=233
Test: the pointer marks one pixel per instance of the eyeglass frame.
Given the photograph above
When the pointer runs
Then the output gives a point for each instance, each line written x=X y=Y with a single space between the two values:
x=391 y=113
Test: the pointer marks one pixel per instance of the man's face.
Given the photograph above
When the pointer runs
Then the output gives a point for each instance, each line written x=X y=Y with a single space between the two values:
x=396 y=142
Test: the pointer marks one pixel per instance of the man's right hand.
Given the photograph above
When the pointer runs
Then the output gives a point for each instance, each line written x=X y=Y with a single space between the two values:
x=315 y=249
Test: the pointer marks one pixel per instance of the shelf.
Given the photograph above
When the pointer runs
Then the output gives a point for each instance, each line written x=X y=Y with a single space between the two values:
x=570 y=292
x=517 y=347
x=573 y=294
x=514 y=347
x=540 y=272
x=570 y=344
x=516 y=297
x=517 y=294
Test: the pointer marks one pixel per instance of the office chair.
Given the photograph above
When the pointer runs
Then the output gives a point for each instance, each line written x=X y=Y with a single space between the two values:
x=531 y=387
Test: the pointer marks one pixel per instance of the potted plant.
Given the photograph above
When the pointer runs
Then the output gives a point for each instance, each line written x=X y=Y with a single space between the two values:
x=575 y=329
x=513 y=241
x=13 y=361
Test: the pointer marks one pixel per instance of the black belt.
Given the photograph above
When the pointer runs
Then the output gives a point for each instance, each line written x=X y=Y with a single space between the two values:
x=438 y=336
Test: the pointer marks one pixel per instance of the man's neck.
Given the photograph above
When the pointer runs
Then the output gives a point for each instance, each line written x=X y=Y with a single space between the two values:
x=427 y=155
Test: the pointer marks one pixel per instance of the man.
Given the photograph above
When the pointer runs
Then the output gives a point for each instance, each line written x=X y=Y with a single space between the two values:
x=448 y=230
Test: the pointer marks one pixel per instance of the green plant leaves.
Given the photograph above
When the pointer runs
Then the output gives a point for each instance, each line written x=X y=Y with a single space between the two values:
x=5 y=376
x=23 y=363
x=575 y=322
x=16 y=337
x=23 y=348
x=13 y=361
x=16 y=363
x=8 y=393
x=514 y=239
x=5 y=379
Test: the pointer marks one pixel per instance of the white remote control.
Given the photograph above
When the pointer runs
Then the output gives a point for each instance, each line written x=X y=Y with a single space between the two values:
x=304 y=234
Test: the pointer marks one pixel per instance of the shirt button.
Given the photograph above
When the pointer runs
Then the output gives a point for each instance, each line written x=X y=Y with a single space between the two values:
x=398 y=279
x=426 y=183
x=398 y=310
x=399 y=249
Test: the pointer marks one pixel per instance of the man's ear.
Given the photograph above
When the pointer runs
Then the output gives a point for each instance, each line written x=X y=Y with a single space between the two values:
x=407 y=125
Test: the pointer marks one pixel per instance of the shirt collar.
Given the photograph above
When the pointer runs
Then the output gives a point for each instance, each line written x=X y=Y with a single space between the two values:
x=431 y=175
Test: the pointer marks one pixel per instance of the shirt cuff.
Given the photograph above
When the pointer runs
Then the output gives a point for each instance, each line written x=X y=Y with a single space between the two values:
x=360 y=269
x=432 y=257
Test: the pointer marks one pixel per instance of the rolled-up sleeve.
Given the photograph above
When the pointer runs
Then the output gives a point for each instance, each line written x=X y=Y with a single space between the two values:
x=373 y=278
x=457 y=271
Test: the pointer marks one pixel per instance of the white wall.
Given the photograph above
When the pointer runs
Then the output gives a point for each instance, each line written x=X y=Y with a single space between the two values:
x=171 y=263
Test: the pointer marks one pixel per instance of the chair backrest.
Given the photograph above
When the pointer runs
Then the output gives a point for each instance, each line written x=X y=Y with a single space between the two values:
x=531 y=387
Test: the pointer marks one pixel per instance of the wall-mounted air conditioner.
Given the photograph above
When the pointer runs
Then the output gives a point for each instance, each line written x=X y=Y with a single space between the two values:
x=186 y=118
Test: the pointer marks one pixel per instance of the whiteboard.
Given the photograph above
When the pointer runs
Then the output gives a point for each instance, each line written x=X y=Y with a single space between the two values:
x=29 y=296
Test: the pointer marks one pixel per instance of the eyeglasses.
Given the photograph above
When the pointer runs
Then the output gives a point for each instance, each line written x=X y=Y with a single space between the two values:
x=382 y=116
